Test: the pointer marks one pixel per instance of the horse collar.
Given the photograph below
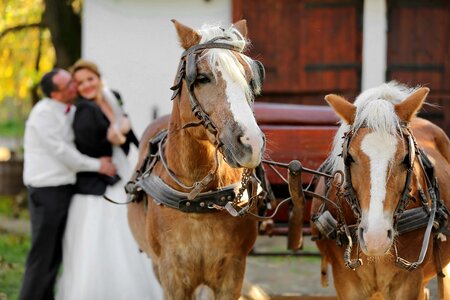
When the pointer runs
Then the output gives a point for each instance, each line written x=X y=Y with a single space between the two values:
x=163 y=194
x=405 y=220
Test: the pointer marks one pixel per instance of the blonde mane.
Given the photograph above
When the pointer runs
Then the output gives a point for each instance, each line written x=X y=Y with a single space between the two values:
x=226 y=60
x=374 y=110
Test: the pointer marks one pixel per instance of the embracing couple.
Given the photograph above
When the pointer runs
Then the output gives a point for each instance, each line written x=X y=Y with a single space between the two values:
x=75 y=154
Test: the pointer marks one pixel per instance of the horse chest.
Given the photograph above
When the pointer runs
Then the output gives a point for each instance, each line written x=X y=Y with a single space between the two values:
x=207 y=234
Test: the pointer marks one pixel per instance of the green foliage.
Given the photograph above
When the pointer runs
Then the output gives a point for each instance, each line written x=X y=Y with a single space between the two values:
x=11 y=119
x=14 y=207
x=12 y=128
x=25 y=54
x=13 y=249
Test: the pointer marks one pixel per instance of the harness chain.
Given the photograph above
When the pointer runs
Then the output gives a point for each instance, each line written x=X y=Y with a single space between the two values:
x=187 y=70
x=438 y=213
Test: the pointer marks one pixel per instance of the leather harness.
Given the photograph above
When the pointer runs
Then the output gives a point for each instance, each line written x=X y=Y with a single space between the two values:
x=225 y=198
x=147 y=182
x=405 y=220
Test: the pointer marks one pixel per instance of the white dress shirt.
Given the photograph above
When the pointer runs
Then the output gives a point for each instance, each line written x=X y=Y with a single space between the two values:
x=50 y=155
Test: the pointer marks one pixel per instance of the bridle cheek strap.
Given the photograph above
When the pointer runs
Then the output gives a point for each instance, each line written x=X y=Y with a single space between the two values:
x=187 y=69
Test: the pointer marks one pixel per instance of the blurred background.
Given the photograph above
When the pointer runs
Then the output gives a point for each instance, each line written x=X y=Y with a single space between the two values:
x=309 y=48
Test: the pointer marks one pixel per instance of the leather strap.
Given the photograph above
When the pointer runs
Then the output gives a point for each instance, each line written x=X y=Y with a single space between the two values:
x=204 y=202
x=438 y=264
x=410 y=220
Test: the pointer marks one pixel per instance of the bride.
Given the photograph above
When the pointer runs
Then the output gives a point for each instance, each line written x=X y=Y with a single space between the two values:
x=101 y=260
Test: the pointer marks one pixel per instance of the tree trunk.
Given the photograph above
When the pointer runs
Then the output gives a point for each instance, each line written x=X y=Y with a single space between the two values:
x=65 y=28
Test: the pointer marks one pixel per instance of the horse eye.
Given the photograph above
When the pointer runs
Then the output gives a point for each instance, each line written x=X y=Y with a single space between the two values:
x=406 y=160
x=202 y=79
x=349 y=159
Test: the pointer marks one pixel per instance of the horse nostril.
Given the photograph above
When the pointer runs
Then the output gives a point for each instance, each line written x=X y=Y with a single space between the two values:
x=389 y=234
x=361 y=233
x=240 y=139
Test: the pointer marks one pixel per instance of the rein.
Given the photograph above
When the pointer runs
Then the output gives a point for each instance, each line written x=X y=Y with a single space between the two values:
x=404 y=220
x=227 y=198
x=193 y=201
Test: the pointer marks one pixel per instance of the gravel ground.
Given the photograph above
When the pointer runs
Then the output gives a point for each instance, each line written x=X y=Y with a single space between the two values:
x=272 y=275
x=290 y=275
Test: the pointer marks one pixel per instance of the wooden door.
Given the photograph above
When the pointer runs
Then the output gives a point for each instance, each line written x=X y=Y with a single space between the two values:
x=419 y=51
x=309 y=47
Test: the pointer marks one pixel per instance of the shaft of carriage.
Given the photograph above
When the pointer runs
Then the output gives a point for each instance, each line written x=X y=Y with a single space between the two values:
x=295 y=235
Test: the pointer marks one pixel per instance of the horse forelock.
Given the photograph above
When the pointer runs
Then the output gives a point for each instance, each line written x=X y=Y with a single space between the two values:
x=230 y=35
x=374 y=110
x=227 y=60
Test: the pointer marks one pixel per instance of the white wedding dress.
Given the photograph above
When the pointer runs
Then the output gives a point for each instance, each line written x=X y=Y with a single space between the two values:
x=101 y=260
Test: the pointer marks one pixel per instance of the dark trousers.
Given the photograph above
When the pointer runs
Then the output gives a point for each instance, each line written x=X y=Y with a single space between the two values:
x=48 y=214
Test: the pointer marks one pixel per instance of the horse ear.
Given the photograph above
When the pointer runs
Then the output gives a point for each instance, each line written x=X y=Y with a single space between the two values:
x=241 y=26
x=188 y=36
x=344 y=109
x=408 y=108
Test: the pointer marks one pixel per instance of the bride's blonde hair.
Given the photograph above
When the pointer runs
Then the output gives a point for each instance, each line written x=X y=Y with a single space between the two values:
x=85 y=64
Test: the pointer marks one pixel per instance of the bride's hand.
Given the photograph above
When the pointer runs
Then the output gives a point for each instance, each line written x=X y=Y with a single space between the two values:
x=114 y=136
x=125 y=125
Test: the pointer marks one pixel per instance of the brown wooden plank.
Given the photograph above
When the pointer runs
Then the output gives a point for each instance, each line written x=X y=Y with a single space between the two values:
x=309 y=48
x=299 y=297
x=288 y=114
x=418 y=43
x=308 y=144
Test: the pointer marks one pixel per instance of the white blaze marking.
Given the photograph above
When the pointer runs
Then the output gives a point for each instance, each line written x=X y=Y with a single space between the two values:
x=243 y=114
x=380 y=148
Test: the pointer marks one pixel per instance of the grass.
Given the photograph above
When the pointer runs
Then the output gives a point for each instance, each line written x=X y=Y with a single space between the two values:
x=14 y=207
x=13 y=249
x=12 y=128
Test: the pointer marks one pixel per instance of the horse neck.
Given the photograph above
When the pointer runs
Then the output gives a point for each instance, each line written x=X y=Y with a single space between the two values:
x=418 y=180
x=191 y=159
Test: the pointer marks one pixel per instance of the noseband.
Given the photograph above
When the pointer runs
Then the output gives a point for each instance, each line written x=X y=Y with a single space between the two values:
x=404 y=220
x=194 y=201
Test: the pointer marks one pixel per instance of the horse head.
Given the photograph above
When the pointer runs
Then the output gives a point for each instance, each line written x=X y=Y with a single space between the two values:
x=377 y=154
x=215 y=87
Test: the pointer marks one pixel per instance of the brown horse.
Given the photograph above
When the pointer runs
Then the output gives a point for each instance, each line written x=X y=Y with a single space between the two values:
x=388 y=205
x=193 y=178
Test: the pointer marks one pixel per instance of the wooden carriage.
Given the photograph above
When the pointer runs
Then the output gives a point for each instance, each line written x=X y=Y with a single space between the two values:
x=294 y=132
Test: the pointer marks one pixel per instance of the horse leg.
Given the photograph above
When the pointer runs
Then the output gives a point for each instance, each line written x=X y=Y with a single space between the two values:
x=176 y=283
x=406 y=287
x=446 y=282
x=175 y=290
x=204 y=292
x=230 y=279
x=137 y=223
x=348 y=286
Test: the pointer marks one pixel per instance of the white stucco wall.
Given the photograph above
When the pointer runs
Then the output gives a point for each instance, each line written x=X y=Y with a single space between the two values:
x=374 y=50
x=136 y=47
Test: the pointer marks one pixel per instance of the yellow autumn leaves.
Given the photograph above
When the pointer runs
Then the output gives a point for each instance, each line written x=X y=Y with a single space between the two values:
x=25 y=52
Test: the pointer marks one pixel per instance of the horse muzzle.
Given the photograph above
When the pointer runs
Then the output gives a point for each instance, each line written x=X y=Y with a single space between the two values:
x=243 y=150
x=375 y=242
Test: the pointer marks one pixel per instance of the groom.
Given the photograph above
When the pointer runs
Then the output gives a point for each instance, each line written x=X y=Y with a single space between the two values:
x=51 y=162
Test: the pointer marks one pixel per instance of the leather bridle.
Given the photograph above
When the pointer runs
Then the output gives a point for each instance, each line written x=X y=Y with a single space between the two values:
x=350 y=194
x=414 y=153
x=187 y=70
x=194 y=200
